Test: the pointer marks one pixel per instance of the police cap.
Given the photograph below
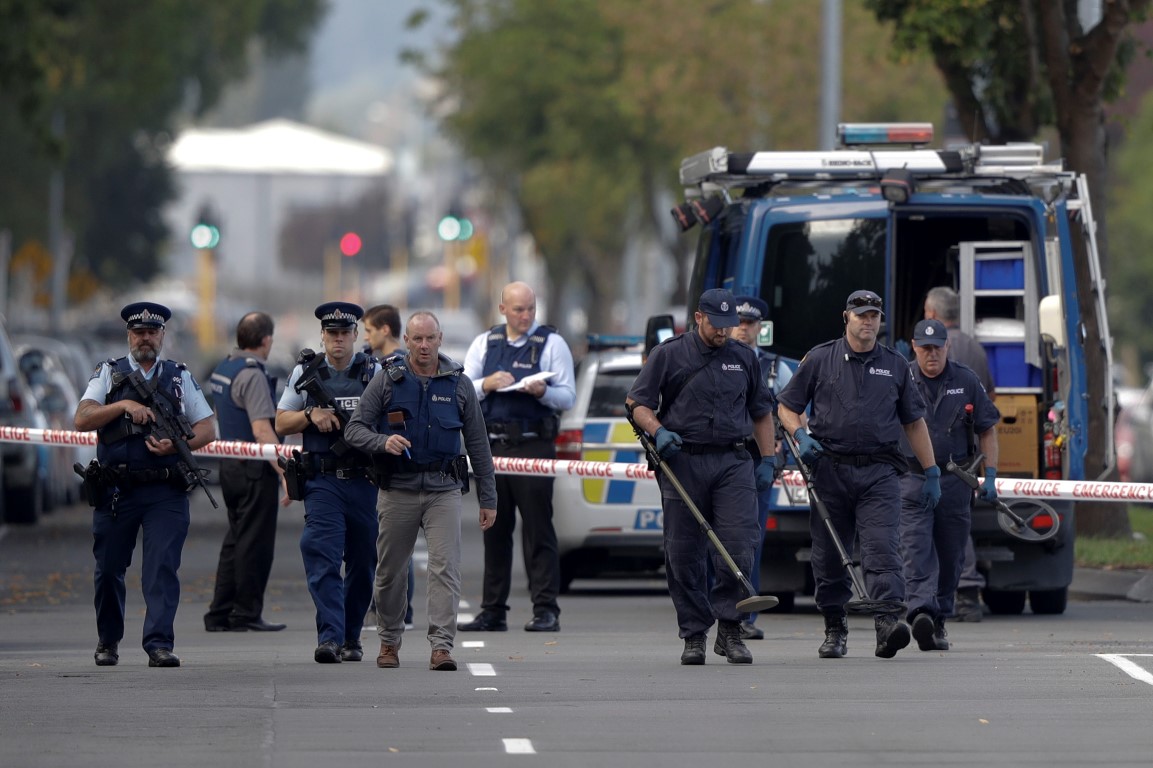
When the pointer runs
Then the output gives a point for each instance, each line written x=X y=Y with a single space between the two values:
x=860 y=302
x=339 y=314
x=751 y=308
x=145 y=314
x=720 y=307
x=930 y=333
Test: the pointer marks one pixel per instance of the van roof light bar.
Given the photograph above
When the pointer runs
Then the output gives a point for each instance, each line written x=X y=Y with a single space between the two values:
x=857 y=134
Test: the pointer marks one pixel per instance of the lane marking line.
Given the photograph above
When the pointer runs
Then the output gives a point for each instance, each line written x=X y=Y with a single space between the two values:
x=499 y=710
x=472 y=644
x=518 y=746
x=486 y=689
x=481 y=669
x=1134 y=670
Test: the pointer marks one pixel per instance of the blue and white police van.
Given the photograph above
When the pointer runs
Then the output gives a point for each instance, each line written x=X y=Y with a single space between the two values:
x=999 y=224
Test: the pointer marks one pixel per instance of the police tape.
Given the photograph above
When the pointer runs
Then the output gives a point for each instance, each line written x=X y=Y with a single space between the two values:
x=1011 y=488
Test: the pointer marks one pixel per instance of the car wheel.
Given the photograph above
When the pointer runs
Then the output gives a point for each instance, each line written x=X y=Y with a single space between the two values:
x=1009 y=602
x=24 y=505
x=1048 y=601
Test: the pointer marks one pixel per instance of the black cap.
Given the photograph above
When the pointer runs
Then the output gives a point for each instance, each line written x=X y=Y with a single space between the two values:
x=339 y=314
x=720 y=306
x=930 y=333
x=860 y=302
x=145 y=314
x=751 y=308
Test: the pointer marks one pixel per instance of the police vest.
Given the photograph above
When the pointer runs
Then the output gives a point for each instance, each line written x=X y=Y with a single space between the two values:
x=432 y=420
x=233 y=421
x=346 y=387
x=122 y=442
x=503 y=407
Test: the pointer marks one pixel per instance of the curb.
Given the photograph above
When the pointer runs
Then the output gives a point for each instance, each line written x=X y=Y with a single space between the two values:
x=1101 y=584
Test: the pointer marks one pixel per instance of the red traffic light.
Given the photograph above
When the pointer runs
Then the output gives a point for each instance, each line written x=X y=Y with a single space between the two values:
x=350 y=244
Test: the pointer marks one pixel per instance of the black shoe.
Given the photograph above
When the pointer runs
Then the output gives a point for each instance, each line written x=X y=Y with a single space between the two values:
x=836 y=645
x=750 y=631
x=327 y=653
x=256 y=625
x=923 y=629
x=940 y=636
x=217 y=627
x=485 y=622
x=968 y=606
x=351 y=651
x=106 y=655
x=729 y=643
x=892 y=635
x=694 y=653
x=163 y=657
x=546 y=621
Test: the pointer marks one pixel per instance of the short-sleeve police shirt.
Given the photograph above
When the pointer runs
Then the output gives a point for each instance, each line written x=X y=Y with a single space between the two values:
x=945 y=401
x=719 y=403
x=860 y=401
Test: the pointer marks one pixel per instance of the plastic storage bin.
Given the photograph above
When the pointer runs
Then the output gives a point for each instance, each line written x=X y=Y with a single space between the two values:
x=1008 y=367
x=999 y=274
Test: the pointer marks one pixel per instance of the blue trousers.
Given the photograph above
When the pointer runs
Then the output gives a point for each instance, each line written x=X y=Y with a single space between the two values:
x=722 y=487
x=865 y=507
x=933 y=543
x=162 y=513
x=339 y=527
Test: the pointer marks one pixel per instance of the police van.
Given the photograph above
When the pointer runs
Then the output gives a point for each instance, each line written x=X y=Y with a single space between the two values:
x=1000 y=225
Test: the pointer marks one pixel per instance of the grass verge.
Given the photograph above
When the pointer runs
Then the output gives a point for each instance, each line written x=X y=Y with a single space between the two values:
x=1120 y=553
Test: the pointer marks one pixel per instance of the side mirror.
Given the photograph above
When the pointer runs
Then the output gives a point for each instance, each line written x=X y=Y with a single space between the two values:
x=657 y=329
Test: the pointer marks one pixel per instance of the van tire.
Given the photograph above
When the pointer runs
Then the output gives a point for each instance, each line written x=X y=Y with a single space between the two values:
x=1048 y=602
x=1007 y=602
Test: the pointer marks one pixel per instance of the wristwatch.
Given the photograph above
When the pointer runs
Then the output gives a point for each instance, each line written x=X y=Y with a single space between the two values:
x=308 y=415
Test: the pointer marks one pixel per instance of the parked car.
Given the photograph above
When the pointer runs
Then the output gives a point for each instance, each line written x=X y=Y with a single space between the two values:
x=24 y=464
x=1134 y=434
x=605 y=526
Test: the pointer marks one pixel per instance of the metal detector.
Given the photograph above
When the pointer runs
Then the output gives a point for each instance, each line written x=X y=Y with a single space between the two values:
x=863 y=604
x=753 y=604
x=1011 y=522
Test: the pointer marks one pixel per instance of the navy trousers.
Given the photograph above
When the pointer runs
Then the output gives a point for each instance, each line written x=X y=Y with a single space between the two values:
x=933 y=543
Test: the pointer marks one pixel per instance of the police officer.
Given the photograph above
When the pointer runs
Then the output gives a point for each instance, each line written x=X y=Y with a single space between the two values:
x=139 y=488
x=413 y=418
x=863 y=400
x=339 y=501
x=933 y=538
x=522 y=422
x=699 y=395
x=243 y=393
x=751 y=311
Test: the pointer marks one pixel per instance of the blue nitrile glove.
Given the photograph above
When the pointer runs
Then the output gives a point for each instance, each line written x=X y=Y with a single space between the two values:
x=810 y=449
x=668 y=443
x=766 y=473
x=931 y=490
x=988 y=490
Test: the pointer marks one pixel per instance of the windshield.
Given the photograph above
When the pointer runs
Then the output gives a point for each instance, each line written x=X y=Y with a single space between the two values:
x=810 y=269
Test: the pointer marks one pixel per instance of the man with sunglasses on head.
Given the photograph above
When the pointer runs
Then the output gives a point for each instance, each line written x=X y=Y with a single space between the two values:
x=862 y=401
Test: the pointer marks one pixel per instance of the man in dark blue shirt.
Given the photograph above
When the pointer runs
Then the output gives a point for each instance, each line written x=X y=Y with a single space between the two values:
x=700 y=395
x=863 y=401
x=957 y=409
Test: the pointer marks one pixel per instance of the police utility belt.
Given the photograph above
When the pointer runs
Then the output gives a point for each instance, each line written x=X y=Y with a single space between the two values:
x=915 y=465
x=697 y=449
x=98 y=478
x=894 y=460
x=513 y=432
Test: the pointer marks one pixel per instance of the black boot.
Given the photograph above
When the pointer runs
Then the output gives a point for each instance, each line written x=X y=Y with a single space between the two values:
x=892 y=635
x=940 y=636
x=694 y=653
x=730 y=644
x=836 y=643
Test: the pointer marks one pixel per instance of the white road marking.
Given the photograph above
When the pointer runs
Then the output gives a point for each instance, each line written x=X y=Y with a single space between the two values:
x=472 y=644
x=486 y=689
x=481 y=670
x=1134 y=670
x=518 y=746
x=499 y=710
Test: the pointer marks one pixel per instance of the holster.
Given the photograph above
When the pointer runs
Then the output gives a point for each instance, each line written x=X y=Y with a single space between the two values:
x=295 y=475
x=382 y=469
x=93 y=483
x=459 y=470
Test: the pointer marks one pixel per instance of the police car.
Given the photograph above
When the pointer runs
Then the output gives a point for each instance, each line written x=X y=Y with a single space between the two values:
x=605 y=526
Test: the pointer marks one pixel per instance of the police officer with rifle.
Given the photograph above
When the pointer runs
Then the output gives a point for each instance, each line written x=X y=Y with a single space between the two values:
x=149 y=415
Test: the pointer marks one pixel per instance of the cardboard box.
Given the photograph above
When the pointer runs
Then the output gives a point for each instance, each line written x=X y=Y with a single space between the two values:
x=1018 y=436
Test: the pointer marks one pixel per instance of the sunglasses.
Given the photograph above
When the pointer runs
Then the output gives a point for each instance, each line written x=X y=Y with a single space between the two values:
x=866 y=301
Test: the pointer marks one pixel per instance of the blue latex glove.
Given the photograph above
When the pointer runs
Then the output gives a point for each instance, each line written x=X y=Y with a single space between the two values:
x=767 y=472
x=988 y=490
x=810 y=449
x=668 y=443
x=931 y=490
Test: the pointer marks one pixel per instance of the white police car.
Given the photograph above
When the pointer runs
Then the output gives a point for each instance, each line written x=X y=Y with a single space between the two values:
x=605 y=526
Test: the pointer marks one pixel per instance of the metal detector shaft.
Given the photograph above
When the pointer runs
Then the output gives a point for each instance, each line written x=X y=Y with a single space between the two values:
x=1018 y=526
x=755 y=603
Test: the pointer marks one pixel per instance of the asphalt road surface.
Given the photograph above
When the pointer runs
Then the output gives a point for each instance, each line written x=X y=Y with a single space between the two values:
x=608 y=690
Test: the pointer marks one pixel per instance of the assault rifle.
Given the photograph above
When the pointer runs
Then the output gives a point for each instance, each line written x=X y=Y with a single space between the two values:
x=311 y=384
x=171 y=424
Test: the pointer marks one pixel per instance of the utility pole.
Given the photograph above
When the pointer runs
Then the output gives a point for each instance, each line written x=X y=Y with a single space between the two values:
x=830 y=75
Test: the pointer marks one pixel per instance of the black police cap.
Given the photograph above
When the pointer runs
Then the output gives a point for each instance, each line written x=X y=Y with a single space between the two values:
x=339 y=314
x=145 y=314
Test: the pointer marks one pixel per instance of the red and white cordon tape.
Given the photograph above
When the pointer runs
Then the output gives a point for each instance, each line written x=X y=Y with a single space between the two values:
x=1012 y=488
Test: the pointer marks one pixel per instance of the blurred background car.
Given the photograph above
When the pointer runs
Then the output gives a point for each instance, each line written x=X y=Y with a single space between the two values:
x=1134 y=434
x=24 y=464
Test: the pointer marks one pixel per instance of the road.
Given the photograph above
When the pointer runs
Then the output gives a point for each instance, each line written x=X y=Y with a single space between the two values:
x=607 y=690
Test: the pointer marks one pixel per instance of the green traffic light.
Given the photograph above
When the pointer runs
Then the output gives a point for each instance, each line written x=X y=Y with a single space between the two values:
x=204 y=236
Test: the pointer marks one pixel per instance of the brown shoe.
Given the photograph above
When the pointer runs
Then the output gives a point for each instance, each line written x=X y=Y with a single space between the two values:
x=442 y=661
x=387 y=659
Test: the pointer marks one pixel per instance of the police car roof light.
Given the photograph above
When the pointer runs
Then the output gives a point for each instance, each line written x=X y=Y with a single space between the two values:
x=598 y=341
x=856 y=134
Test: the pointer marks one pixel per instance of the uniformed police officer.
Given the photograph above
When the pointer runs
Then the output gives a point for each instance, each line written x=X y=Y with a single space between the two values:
x=139 y=488
x=413 y=417
x=339 y=501
x=862 y=401
x=700 y=394
x=243 y=394
x=524 y=422
x=933 y=539
x=751 y=311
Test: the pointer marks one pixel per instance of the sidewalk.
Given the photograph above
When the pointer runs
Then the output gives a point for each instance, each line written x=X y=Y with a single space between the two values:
x=1101 y=584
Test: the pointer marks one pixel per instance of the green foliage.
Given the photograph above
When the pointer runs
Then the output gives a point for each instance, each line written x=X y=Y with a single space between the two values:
x=1134 y=552
x=1131 y=236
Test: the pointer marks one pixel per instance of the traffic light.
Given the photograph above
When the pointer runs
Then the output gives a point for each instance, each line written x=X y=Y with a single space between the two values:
x=453 y=227
x=205 y=236
x=350 y=244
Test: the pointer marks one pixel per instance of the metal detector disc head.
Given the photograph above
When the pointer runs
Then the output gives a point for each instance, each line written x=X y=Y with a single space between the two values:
x=757 y=604
x=1028 y=520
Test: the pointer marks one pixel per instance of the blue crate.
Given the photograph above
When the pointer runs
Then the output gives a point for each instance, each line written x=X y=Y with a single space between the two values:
x=999 y=274
x=1008 y=367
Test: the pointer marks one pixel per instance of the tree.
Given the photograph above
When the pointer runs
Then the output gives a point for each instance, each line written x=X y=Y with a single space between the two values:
x=1014 y=66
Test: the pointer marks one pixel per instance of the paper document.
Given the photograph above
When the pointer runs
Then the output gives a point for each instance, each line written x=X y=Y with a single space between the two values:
x=542 y=376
